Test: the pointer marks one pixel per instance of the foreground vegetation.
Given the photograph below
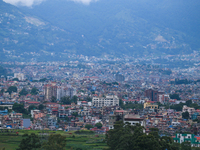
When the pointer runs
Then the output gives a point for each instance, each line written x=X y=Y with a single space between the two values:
x=81 y=141
x=122 y=137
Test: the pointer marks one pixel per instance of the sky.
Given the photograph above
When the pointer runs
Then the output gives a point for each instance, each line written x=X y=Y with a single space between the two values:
x=29 y=3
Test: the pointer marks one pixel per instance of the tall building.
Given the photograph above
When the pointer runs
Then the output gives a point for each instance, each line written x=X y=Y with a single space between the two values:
x=65 y=91
x=20 y=76
x=119 y=77
x=153 y=95
x=50 y=91
x=111 y=100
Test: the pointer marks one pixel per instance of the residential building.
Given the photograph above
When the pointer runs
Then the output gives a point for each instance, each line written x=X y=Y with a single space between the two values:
x=153 y=95
x=50 y=91
x=111 y=100
x=180 y=138
x=20 y=76
x=188 y=109
x=134 y=119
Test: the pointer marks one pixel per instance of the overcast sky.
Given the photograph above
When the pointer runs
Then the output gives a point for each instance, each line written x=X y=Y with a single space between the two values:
x=29 y=3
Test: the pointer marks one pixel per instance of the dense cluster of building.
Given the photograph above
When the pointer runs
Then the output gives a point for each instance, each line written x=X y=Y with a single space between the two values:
x=70 y=95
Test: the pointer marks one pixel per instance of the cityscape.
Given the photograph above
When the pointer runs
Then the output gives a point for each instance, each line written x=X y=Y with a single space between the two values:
x=99 y=75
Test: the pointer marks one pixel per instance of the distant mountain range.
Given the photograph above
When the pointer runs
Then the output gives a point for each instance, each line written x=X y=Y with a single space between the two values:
x=54 y=29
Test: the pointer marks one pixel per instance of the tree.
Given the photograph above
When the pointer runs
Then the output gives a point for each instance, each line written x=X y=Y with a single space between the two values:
x=55 y=142
x=53 y=99
x=121 y=103
x=185 y=115
x=23 y=92
x=43 y=80
x=148 y=142
x=98 y=125
x=12 y=89
x=30 y=142
x=186 y=146
x=15 y=79
x=41 y=107
x=19 y=108
x=177 y=107
x=88 y=126
x=174 y=96
x=74 y=99
x=128 y=137
x=88 y=99
x=188 y=103
x=3 y=71
x=34 y=91
x=31 y=107
x=65 y=100
x=75 y=114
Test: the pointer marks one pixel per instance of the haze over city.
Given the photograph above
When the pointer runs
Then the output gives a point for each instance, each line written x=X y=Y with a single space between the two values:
x=99 y=74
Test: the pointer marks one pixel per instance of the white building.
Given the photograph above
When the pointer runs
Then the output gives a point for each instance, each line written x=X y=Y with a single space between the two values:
x=20 y=76
x=65 y=91
x=134 y=119
x=188 y=109
x=111 y=100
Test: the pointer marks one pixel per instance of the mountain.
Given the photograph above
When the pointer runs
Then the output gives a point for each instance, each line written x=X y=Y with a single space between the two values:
x=116 y=27
x=24 y=36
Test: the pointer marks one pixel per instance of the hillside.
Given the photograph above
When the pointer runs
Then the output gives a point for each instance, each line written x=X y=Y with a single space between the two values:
x=24 y=36
x=114 y=27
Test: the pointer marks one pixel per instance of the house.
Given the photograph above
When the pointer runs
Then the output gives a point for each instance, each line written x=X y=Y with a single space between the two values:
x=117 y=116
x=134 y=119
x=109 y=100
x=188 y=109
x=195 y=141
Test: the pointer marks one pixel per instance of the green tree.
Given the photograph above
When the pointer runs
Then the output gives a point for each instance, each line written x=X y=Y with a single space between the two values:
x=15 y=79
x=177 y=107
x=75 y=114
x=74 y=99
x=65 y=100
x=88 y=126
x=31 y=107
x=186 y=146
x=148 y=142
x=174 y=96
x=42 y=80
x=30 y=142
x=41 y=107
x=88 y=99
x=23 y=92
x=53 y=99
x=12 y=89
x=188 y=103
x=98 y=125
x=34 y=91
x=55 y=142
x=3 y=71
x=185 y=115
x=19 y=108
x=121 y=104
x=128 y=137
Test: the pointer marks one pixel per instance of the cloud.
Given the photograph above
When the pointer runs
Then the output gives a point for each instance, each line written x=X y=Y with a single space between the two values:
x=29 y=3
x=87 y=2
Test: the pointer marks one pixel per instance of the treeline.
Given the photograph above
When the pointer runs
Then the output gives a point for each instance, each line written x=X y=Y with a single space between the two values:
x=130 y=105
x=184 y=81
x=128 y=137
x=178 y=107
x=3 y=71
x=51 y=142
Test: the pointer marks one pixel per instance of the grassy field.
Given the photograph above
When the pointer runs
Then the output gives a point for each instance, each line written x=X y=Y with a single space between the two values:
x=80 y=142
